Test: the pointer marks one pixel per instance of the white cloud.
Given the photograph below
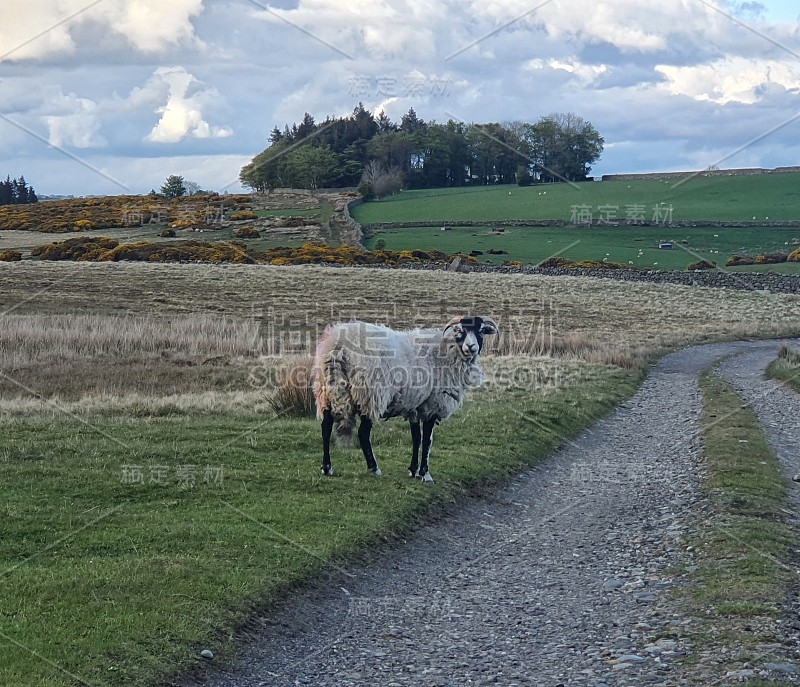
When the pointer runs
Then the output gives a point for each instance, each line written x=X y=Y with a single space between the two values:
x=734 y=79
x=31 y=30
x=73 y=121
x=150 y=25
x=182 y=115
x=41 y=29
x=584 y=74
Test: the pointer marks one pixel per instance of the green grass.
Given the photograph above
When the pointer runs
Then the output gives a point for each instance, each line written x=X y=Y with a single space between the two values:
x=120 y=583
x=791 y=268
x=325 y=210
x=624 y=244
x=745 y=544
x=773 y=196
x=786 y=368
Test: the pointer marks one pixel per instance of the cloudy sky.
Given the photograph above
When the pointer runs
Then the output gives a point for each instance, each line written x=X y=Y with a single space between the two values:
x=111 y=96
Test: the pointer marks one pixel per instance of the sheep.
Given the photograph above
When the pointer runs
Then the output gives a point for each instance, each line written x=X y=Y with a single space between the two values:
x=376 y=372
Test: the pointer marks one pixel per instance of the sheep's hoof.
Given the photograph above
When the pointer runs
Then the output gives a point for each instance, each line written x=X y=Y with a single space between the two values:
x=327 y=472
x=377 y=471
x=427 y=478
x=413 y=474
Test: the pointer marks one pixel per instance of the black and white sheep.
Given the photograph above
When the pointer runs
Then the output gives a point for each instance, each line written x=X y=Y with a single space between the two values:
x=376 y=372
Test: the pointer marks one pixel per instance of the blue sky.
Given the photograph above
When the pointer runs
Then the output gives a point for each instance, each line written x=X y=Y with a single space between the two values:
x=111 y=96
x=782 y=10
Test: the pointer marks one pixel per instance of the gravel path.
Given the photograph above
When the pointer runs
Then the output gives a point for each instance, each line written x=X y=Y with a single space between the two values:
x=777 y=407
x=559 y=579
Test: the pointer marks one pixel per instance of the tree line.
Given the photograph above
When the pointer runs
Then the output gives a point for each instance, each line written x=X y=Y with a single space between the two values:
x=17 y=192
x=424 y=154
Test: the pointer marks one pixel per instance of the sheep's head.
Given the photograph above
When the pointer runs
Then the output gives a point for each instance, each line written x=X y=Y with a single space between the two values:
x=468 y=332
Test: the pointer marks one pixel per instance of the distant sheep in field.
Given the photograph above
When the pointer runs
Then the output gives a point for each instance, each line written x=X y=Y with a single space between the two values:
x=376 y=372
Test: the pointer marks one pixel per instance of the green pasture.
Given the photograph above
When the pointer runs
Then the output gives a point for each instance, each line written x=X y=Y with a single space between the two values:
x=773 y=197
x=636 y=245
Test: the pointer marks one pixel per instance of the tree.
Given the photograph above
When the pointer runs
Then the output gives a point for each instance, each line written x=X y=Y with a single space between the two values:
x=17 y=191
x=497 y=153
x=412 y=124
x=192 y=187
x=267 y=169
x=381 y=181
x=22 y=191
x=524 y=177
x=564 y=146
x=384 y=123
x=394 y=149
x=174 y=187
x=6 y=192
x=306 y=128
x=309 y=167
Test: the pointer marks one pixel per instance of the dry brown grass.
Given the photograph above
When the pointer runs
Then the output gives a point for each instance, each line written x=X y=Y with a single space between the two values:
x=788 y=354
x=72 y=356
x=571 y=346
x=292 y=395
x=27 y=339
x=66 y=334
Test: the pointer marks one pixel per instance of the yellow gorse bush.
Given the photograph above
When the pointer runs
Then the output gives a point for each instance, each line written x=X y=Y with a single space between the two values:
x=78 y=214
x=104 y=249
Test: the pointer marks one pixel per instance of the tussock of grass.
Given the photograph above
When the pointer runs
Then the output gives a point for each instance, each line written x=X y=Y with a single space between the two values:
x=786 y=367
x=293 y=396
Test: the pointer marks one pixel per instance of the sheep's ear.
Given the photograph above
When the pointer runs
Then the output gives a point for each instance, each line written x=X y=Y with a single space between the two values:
x=489 y=326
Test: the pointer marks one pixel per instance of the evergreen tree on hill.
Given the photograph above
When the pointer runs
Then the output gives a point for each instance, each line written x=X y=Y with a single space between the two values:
x=174 y=187
x=17 y=191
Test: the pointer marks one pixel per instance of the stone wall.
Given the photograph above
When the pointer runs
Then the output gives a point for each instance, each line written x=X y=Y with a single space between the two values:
x=738 y=281
x=745 y=171
x=379 y=226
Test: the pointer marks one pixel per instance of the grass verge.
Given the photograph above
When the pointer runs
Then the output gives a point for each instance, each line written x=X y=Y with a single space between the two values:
x=786 y=367
x=130 y=544
x=739 y=587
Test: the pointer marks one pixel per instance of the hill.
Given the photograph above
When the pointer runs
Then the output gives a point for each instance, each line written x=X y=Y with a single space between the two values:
x=766 y=197
x=606 y=219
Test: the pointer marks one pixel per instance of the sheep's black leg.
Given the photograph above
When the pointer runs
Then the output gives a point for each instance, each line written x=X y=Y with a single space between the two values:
x=427 y=442
x=364 y=430
x=327 y=430
x=416 y=440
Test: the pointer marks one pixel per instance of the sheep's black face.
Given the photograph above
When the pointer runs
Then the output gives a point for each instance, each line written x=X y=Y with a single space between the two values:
x=468 y=333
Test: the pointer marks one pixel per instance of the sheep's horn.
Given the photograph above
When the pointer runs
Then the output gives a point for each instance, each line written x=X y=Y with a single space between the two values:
x=489 y=321
x=452 y=322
